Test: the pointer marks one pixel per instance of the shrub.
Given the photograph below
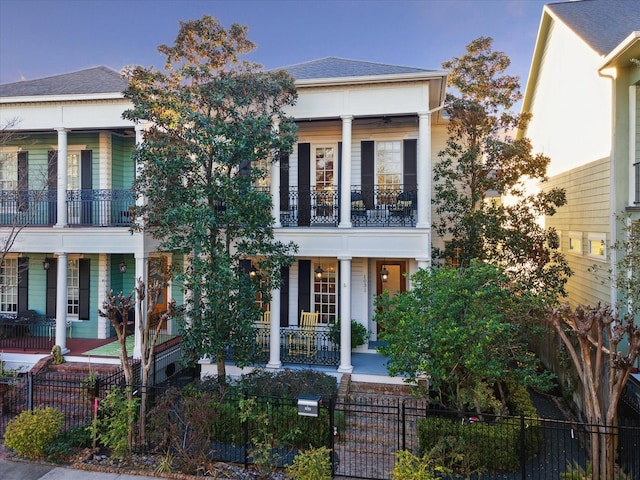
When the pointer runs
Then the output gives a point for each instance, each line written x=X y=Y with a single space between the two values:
x=114 y=427
x=410 y=467
x=359 y=334
x=289 y=384
x=31 y=432
x=64 y=444
x=313 y=464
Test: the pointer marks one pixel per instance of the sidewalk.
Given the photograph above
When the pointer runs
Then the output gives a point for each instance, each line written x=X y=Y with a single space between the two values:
x=10 y=470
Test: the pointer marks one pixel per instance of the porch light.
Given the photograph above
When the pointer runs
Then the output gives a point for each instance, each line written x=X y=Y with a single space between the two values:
x=384 y=274
x=253 y=271
x=318 y=271
x=123 y=267
x=46 y=265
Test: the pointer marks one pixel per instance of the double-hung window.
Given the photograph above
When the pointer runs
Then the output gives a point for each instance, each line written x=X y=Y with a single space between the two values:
x=388 y=169
x=9 y=286
x=73 y=288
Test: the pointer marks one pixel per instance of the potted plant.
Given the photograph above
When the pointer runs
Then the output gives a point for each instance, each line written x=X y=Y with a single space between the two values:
x=359 y=334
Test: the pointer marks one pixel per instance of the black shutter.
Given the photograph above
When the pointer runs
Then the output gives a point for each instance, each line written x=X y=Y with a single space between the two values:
x=86 y=187
x=304 y=285
x=284 y=182
x=52 y=287
x=367 y=172
x=23 y=284
x=284 y=296
x=84 y=297
x=410 y=166
x=23 y=182
x=304 y=184
x=245 y=265
x=52 y=184
x=339 y=176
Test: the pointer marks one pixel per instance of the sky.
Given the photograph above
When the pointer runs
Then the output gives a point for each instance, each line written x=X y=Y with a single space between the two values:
x=40 y=38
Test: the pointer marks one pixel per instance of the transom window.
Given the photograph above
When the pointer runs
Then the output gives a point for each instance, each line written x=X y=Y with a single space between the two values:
x=324 y=292
x=73 y=288
x=9 y=286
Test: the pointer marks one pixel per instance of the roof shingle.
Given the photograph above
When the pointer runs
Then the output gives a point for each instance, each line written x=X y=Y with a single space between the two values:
x=333 y=67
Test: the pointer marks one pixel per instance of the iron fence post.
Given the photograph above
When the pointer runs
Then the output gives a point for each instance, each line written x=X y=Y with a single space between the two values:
x=332 y=452
x=30 y=391
x=245 y=428
x=404 y=426
x=523 y=455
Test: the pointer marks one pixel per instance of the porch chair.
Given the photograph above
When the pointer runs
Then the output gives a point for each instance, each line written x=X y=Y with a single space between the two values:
x=264 y=325
x=303 y=341
x=52 y=327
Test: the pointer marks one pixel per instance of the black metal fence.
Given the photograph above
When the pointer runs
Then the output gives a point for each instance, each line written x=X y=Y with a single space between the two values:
x=27 y=331
x=363 y=435
x=302 y=346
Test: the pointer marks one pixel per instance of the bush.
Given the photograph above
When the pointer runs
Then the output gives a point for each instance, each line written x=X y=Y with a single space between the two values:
x=359 y=334
x=313 y=464
x=31 y=432
x=410 y=467
x=64 y=444
x=288 y=384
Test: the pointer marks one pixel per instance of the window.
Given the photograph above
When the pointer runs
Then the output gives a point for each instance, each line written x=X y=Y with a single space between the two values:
x=324 y=163
x=389 y=165
x=575 y=242
x=453 y=260
x=73 y=288
x=8 y=171
x=324 y=292
x=9 y=286
x=596 y=245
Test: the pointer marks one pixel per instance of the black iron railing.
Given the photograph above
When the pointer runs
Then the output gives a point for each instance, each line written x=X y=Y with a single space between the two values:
x=636 y=167
x=300 y=346
x=27 y=331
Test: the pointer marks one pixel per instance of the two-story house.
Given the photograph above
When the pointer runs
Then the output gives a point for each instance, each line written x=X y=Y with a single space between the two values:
x=354 y=195
x=584 y=93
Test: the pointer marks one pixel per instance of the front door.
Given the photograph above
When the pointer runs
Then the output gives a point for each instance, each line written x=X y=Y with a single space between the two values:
x=396 y=280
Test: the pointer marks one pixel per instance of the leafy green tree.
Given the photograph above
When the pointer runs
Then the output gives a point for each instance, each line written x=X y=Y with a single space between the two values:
x=482 y=161
x=457 y=326
x=216 y=123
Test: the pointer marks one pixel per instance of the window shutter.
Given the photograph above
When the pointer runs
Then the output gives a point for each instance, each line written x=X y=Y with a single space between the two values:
x=410 y=165
x=367 y=172
x=52 y=184
x=284 y=182
x=245 y=265
x=339 y=174
x=52 y=280
x=304 y=285
x=84 y=297
x=284 y=296
x=86 y=186
x=23 y=181
x=23 y=284
x=304 y=184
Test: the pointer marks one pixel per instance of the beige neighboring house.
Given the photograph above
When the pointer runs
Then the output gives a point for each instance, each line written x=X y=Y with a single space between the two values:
x=584 y=93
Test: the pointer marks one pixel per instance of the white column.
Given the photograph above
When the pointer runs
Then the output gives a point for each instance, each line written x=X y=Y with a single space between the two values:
x=274 y=331
x=345 y=173
x=62 y=180
x=345 y=315
x=142 y=264
x=424 y=170
x=61 y=303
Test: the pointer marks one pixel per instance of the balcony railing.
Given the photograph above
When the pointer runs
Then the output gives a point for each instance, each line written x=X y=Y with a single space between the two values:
x=299 y=346
x=108 y=208
x=378 y=206
x=26 y=331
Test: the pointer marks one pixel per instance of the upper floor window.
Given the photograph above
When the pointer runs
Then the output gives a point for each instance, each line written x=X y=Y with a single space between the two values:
x=389 y=164
x=73 y=171
x=9 y=286
x=8 y=171
x=596 y=245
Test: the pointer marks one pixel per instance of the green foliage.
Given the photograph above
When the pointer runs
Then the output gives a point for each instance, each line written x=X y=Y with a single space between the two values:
x=212 y=139
x=359 y=333
x=481 y=158
x=288 y=383
x=67 y=442
x=313 y=464
x=466 y=329
x=410 y=467
x=113 y=428
x=33 y=431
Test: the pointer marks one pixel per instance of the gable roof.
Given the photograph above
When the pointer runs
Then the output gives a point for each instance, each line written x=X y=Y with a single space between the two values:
x=334 y=67
x=90 y=81
x=602 y=24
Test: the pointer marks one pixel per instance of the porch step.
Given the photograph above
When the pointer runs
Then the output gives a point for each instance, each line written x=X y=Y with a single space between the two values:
x=378 y=390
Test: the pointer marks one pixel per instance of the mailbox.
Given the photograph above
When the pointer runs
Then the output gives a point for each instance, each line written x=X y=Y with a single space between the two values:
x=308 y=405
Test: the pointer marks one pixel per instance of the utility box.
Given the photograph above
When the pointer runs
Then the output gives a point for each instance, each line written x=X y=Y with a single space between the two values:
x=308 y=405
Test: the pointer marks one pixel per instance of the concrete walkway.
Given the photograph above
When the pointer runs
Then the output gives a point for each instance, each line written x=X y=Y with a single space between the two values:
x=10 y=470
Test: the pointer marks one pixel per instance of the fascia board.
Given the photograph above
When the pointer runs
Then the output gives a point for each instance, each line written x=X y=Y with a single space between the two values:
x=623 y=51
x=369 y=79
x=63 y=98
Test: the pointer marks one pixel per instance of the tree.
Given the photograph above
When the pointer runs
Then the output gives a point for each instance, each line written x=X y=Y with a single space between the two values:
x=603 y=344
x=216 y=124
x=482 y=161
x=456 y=325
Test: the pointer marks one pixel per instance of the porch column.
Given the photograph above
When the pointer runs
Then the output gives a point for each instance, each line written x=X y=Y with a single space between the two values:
x=345 y=315
x=424 y=170
x=61 y=303
x=142 y=262
x=61 y=187
x=274 y=331
x=345 y=173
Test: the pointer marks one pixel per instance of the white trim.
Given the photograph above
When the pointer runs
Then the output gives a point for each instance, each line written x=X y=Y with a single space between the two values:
x=602 y=239
x=575 y=236
x=63 y=98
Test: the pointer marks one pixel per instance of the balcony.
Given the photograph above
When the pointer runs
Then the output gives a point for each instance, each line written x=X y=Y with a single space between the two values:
x=377 y=206
x=108 y=208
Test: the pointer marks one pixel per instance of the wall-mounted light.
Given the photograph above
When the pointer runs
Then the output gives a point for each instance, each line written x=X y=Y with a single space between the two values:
x=318 y=272
x=123 y=267
x=46 y=265
x=384 y=274
x=253 y=271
